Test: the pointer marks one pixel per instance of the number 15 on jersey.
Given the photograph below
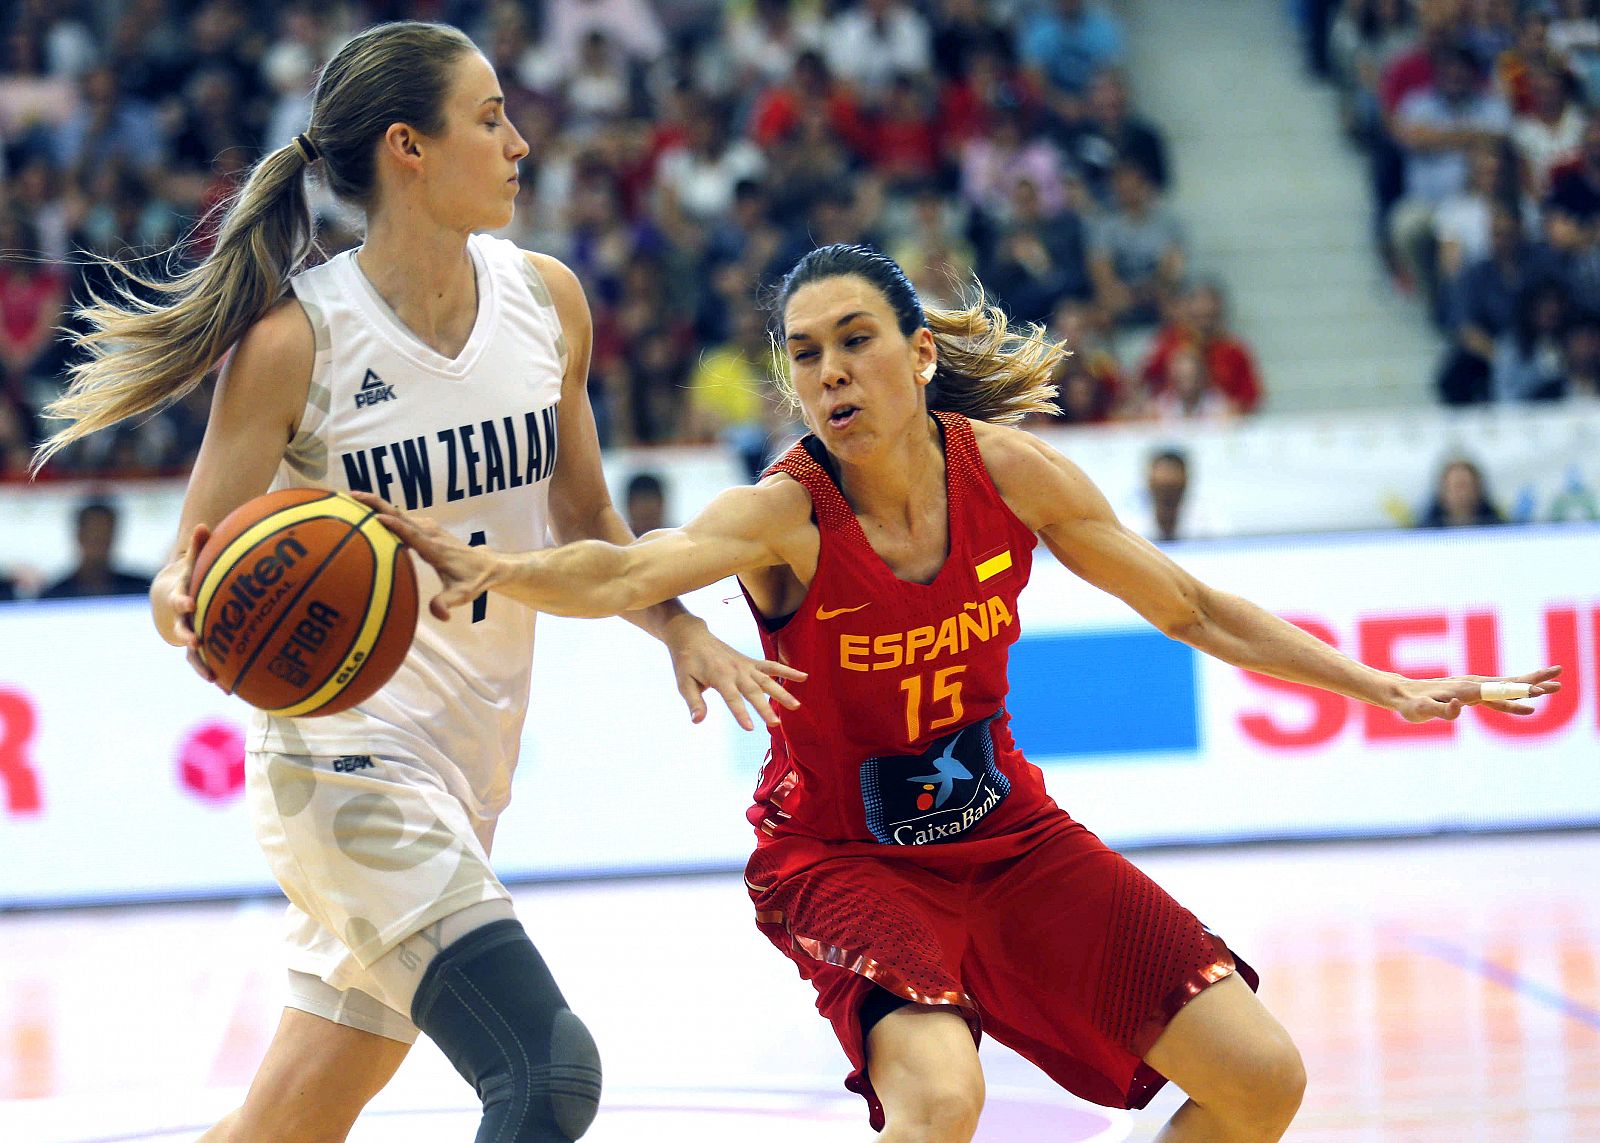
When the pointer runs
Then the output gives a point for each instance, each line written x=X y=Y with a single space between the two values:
x=933 y=700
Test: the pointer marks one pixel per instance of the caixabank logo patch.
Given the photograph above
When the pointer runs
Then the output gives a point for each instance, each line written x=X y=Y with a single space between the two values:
x=936 y=796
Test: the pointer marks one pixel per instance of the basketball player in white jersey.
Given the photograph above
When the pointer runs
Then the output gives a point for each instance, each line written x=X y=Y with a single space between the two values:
x=445 y=371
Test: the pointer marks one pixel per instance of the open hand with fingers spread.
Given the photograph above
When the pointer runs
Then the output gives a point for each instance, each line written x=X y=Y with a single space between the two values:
x=702 y=662
x=1419 y=700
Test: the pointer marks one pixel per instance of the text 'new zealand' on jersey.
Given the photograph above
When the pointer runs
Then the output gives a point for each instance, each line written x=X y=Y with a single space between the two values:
x=472 y=441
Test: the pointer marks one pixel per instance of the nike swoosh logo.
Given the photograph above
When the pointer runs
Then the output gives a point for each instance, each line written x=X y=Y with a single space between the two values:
x=824 y=613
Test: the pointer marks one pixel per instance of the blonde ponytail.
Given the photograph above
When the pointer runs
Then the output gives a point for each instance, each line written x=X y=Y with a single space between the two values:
x=145 y=354
x=142 y=354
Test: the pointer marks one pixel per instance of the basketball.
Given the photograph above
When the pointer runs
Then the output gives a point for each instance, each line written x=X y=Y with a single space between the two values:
x=304 y=603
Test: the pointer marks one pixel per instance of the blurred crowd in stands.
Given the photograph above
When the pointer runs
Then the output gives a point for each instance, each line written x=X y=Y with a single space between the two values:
x=1478 y=116
x=684 y=154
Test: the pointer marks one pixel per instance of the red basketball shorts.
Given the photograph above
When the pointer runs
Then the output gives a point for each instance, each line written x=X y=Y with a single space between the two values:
x=1046 y=939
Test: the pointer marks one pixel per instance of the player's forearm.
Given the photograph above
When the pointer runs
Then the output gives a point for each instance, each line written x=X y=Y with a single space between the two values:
x=587 y=579
x=608 y=526
x=1238 y=632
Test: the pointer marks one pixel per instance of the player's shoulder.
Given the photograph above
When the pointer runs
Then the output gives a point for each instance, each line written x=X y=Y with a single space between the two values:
x=782 y=493
x=267 y=375
x=1036 y=481
x=778 y=500
x=1010 y=454
x=566 y=291
x=282 y=341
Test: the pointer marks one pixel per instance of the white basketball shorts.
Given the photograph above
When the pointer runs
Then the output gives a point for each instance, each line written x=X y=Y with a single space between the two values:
x=369 y=849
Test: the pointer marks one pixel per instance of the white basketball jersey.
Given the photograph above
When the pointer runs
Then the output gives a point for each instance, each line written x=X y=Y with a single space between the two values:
x=470 y=442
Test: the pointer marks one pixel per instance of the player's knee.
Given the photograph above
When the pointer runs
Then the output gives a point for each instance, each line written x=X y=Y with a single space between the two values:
x=560 y=1093
x=1282 y=1076
x=568 y=1088
x=491 y=1005
x=946 y=1111
x=1267 y=1089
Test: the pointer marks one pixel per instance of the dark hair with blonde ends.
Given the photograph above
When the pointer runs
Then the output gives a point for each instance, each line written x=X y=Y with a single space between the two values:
x=143 y=354
x=987 y=370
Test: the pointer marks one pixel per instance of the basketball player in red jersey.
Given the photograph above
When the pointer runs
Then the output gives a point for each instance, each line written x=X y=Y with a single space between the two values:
x=908 y=859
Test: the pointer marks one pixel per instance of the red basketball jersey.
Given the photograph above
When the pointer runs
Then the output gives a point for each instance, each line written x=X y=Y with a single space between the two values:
x=902 y=737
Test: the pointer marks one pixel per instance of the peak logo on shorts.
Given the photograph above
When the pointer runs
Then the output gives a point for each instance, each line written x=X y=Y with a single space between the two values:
x=349 y=763
x=373 y=390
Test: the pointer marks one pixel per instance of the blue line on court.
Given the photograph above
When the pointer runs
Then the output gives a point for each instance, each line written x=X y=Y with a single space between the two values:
x=1484 y=967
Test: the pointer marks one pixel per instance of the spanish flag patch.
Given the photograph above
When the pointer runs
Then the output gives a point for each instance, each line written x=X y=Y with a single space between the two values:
x=993 y=564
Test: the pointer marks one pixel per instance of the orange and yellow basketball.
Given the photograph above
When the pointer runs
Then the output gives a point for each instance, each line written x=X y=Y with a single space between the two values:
x=304 y=603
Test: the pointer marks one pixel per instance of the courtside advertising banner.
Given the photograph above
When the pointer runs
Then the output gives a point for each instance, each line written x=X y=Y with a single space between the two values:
x=121 y=774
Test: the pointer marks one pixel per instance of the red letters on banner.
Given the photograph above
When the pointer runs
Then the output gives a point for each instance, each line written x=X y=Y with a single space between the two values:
x=1379 y=641
x=1425 y=645
x=17 y=775
x=1325 y=711
x=1561 y=646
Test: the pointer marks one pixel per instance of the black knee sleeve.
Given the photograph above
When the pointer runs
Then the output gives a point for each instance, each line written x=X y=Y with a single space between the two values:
x=493 y=1008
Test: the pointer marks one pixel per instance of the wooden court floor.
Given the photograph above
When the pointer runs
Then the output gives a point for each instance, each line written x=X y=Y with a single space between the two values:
x=1441 y=990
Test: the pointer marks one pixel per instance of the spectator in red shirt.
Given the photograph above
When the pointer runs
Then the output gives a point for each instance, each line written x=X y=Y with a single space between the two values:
x=1439 y=22
x=905 y=147
x=32 y=293
x=991 y=89
x=780 y=108
x=1203 y=326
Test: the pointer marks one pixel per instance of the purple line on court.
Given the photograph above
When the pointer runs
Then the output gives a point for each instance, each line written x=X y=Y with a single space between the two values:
x=1489 y=970
x=1011 y=1119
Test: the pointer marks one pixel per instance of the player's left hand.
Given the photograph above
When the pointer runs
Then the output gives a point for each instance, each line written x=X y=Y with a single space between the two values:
x=1422 y=699
x=703 y=662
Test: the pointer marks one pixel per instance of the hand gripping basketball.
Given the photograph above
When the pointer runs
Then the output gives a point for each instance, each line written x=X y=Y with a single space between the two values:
x=304 y=603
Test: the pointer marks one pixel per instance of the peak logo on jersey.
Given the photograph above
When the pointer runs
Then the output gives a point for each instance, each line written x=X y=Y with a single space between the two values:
x=826 y=613
x=373 y=390
x=938 y=795
x=350 y=763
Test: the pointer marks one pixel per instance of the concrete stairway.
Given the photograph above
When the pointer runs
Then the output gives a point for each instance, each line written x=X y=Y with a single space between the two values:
x=1276 y=204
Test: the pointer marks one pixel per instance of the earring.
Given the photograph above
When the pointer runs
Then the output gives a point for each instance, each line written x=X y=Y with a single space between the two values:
x=927 y=373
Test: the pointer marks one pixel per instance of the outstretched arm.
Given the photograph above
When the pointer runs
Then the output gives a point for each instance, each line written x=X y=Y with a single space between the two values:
x=1055 y=498
x=737 y=532
x=743 y=530
x=581 y=509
